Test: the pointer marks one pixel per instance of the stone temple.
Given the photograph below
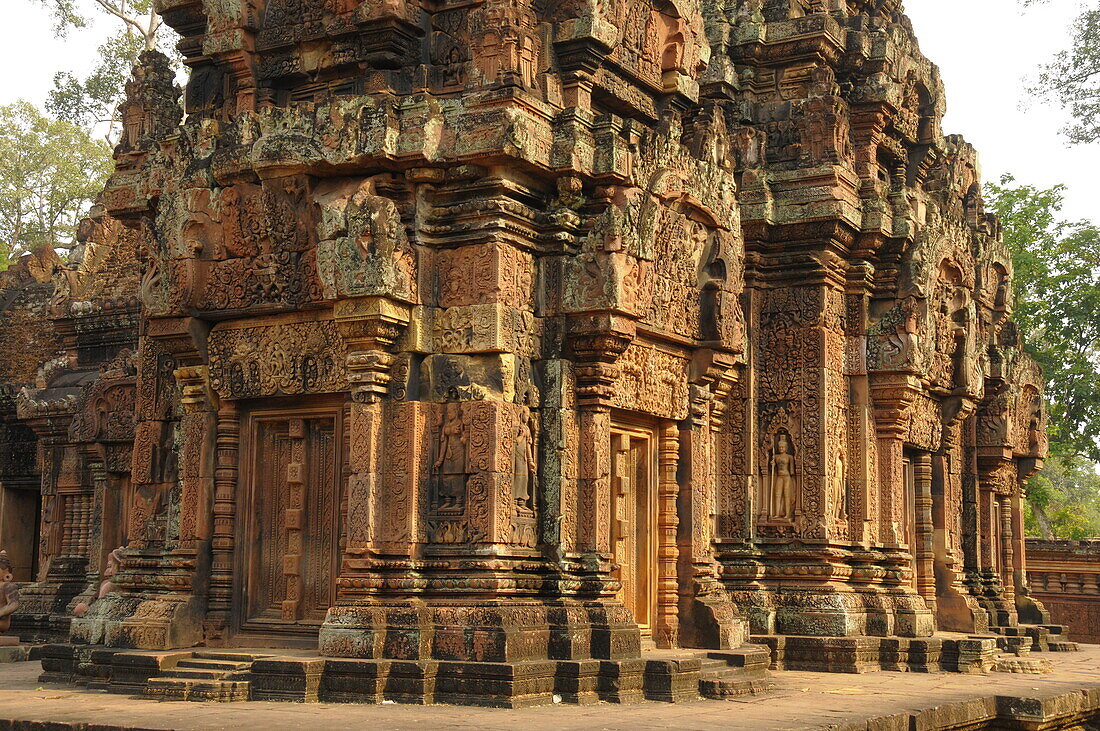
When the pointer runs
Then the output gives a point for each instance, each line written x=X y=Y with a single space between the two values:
x=496 y=348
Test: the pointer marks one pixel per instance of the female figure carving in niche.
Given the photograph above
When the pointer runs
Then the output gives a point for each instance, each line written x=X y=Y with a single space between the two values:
x=451 y=465
x=523 y=464
x=838 y=493
x=781 y=479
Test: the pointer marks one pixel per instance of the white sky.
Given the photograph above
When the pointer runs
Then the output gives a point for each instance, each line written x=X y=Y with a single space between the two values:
x=984 y=49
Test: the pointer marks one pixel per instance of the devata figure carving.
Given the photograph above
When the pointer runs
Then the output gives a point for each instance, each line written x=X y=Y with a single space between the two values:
x=837 y=493
x=450 y=465
x=524 y=463
x=781 y=480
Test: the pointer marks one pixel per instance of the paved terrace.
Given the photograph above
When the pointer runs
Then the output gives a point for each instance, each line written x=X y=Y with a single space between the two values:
x=885 y=701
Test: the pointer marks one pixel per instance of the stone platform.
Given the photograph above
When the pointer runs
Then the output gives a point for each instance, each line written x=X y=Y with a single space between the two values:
x=304 y=677
x=1066 y=698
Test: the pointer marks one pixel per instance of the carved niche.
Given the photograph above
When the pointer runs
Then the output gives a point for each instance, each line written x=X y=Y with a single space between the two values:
x=364 y=249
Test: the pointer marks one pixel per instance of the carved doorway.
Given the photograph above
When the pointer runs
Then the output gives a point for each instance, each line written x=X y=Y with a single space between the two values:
x=19 y=530
x=292 y=503
x=634 y=529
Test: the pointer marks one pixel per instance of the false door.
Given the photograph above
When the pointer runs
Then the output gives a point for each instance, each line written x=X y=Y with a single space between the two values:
x=634 y=528
x=293 y=533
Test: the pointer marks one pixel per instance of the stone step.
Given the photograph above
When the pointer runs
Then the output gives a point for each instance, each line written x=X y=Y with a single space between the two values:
x=1063 y=646
x=750 y=656
x=733 y=686
x=203 y=664
x=229 y=656
x=178 y=689
x=192 y=674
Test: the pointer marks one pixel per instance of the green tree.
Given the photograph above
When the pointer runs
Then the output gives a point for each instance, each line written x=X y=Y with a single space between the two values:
x=1064 y=500
x=50 y=172
x=1072 y=79
x=1057 y=285
x=93 y=99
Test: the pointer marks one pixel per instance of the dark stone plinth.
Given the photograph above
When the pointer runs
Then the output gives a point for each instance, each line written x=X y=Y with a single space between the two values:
x=502 y=685
x=293 y=679
x=480 y=633
x=131 y=670
x=58 y=663
x=577 y=681
x=823 y=654
x=412 y=681
x=853 y=654
x=620 y=681
x=354 y=681
x=972 y=655
x=672 y=680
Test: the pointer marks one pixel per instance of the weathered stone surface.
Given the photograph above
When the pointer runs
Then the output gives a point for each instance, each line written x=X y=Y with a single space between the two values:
x=478 y=343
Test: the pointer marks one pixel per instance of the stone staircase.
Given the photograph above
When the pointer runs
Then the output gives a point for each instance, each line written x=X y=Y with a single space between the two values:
x=1043 y=638
x=733 y=673
x=205 y=676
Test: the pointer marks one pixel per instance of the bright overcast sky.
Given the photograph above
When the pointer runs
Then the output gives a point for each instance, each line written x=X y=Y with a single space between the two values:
x=983 y=47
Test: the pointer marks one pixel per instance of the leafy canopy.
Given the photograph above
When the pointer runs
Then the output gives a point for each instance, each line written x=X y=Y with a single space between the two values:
x=1064 y=500
x=50 y=172
x=1072 y=79
x=1057 y=282
x=94 y=99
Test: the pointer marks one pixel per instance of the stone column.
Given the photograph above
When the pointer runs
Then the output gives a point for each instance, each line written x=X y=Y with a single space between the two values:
x=369 y=325
x=1004 y=506
x=223 y=545
x=924 y=552
x=667 y=625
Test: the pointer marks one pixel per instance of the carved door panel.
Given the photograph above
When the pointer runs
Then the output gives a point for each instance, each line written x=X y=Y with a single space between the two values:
x=294 y=531
x=19 y=511
x=634 y=527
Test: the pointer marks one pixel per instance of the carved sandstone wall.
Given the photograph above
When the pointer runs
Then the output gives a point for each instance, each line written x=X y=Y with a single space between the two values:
x=505 y=331
x=1065 y=576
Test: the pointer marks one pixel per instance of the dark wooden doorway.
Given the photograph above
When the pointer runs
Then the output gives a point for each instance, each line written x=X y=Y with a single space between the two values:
x=291 y=507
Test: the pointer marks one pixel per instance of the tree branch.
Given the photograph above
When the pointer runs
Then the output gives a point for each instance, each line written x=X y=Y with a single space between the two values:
x=121 y=16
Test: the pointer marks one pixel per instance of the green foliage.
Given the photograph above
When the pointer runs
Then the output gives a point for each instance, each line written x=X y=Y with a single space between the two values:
x=50 y=172
x=1057 y=284
x=1064 y=500
x=94 y=99
x=1072 y=79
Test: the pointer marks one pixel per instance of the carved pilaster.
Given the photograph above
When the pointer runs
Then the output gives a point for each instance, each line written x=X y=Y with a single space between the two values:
x=893 y=396
x=667 y=632
x=924 y=552
x=369 y=326
x=596 y=343
x=227 y=456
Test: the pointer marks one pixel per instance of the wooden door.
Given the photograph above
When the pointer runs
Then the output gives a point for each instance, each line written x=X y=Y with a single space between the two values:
x=19 y=526
x=293 y=534
x=634 y=529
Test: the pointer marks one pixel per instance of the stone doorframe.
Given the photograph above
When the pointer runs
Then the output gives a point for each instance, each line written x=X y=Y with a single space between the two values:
x=292 y=409
x=665 y=436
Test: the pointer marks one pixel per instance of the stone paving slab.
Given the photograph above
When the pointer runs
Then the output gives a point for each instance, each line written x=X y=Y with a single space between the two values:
x=801 y=700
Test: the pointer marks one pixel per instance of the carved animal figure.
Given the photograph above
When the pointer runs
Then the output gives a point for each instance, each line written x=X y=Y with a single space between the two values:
x=107 y=586
x=9 y=599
